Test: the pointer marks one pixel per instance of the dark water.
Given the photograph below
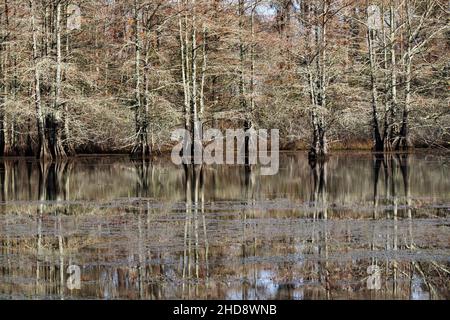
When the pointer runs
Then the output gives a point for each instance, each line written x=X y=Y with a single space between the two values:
x=157 y=231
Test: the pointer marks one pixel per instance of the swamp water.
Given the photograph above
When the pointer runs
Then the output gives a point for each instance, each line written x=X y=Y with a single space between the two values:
x=356 y=227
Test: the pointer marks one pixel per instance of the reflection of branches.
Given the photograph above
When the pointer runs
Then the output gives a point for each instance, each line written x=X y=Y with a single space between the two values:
x=403 y=160
x=53 y=184
x=392 y=163
x=140 y=258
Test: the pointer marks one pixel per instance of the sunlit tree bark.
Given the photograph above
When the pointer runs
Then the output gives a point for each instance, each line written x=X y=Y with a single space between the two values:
x=43 y=151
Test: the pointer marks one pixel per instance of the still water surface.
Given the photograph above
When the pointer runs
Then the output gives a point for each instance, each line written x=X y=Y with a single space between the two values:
x=157 y=231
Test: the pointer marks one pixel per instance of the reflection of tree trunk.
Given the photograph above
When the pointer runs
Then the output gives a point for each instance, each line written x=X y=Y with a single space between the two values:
x=142 y=171
x=3 y=183
x=194 y=206
x=404 y=167
x=187 y=183
x=377 y=161
x=249 y=184
x=53 y=185
x=55 y=177
x=319 y=197
x=395 y=244
x=391 y=174
x=319 y=173
x=39 y=248
x=250 y=191
x=154 y=288
x=376 y=174
x=403 y=159
x=142 y=191
x=42 y=197
x=196 y=217
x=61 y=256
x=141 y=266
x=205 y=235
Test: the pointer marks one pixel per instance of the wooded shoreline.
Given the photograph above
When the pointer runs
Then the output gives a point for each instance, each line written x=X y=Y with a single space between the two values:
x=110 y=76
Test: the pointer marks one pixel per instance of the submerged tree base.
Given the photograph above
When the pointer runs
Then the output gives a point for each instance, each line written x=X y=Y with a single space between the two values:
x=317 y=156
x=140 y=151
x=402 y=144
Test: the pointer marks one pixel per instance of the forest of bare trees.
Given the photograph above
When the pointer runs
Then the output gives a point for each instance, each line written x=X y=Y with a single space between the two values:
x=118 y=76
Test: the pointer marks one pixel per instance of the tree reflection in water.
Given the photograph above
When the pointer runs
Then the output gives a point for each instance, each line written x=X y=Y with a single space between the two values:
x=142 y=230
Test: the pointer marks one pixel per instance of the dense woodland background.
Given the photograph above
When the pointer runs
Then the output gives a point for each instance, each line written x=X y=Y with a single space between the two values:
x=124 y=74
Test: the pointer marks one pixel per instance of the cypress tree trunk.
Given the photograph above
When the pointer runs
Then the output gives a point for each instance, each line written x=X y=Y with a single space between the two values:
x=6 y=143
x=137 y=149
x=387 y=126
x=242 y=99
x=58 y=114
x=319 y=145
x=141 y=147
x=3 y=79
x=393 y=97
x=195 y=119
x=68 y=146
x=146 y=149
x=185 y=72
x=43 y=151
x=403 y=142
x=2 y=99
x=378 y=141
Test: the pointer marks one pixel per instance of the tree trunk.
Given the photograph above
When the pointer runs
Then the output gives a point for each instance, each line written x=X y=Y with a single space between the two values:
x=195 y=121
x=203 y=74
x=4 y=94
x=319 y=145
x=137 y=149
x=185 y=73
x=146 y=146
x=68 y=146
x=378 y=141
x=242 y=99
x=3 y=91
x=141 y=147
x=393 y=100
x=43 y=151
x=387 y=127
x=403 y=142
x=57 y=147
x=252 y=58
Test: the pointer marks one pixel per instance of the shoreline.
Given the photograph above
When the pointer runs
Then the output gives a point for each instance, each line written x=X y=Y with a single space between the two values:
x=166 y=153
